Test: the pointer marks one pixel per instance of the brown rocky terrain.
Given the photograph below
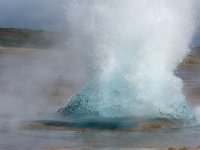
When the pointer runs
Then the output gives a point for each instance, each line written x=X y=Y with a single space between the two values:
x=11 y=37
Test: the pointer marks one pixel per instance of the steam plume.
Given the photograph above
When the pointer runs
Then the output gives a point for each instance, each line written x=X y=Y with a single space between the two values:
x=134 y=47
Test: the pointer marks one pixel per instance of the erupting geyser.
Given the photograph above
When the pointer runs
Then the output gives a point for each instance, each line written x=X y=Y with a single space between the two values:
x=134 y=47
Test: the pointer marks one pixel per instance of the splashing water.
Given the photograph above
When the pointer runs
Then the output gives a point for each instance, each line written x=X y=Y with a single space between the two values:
x=132 y=48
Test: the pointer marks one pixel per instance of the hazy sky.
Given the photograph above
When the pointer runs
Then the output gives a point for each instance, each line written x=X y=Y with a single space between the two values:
x=46 y=14
x=39 y=14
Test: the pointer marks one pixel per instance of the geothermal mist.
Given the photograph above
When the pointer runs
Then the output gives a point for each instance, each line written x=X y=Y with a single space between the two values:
x=133 y=48
x=34 y=81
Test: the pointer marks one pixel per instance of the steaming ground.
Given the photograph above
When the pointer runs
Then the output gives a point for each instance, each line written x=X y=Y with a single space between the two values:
x=19 y=68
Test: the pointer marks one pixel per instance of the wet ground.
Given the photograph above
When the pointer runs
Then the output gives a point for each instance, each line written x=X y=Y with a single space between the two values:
x=43 y=138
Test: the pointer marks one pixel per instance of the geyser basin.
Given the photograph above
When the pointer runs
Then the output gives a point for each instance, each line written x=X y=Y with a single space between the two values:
x=134 y=123
x=134 y=47
x=93 y=123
